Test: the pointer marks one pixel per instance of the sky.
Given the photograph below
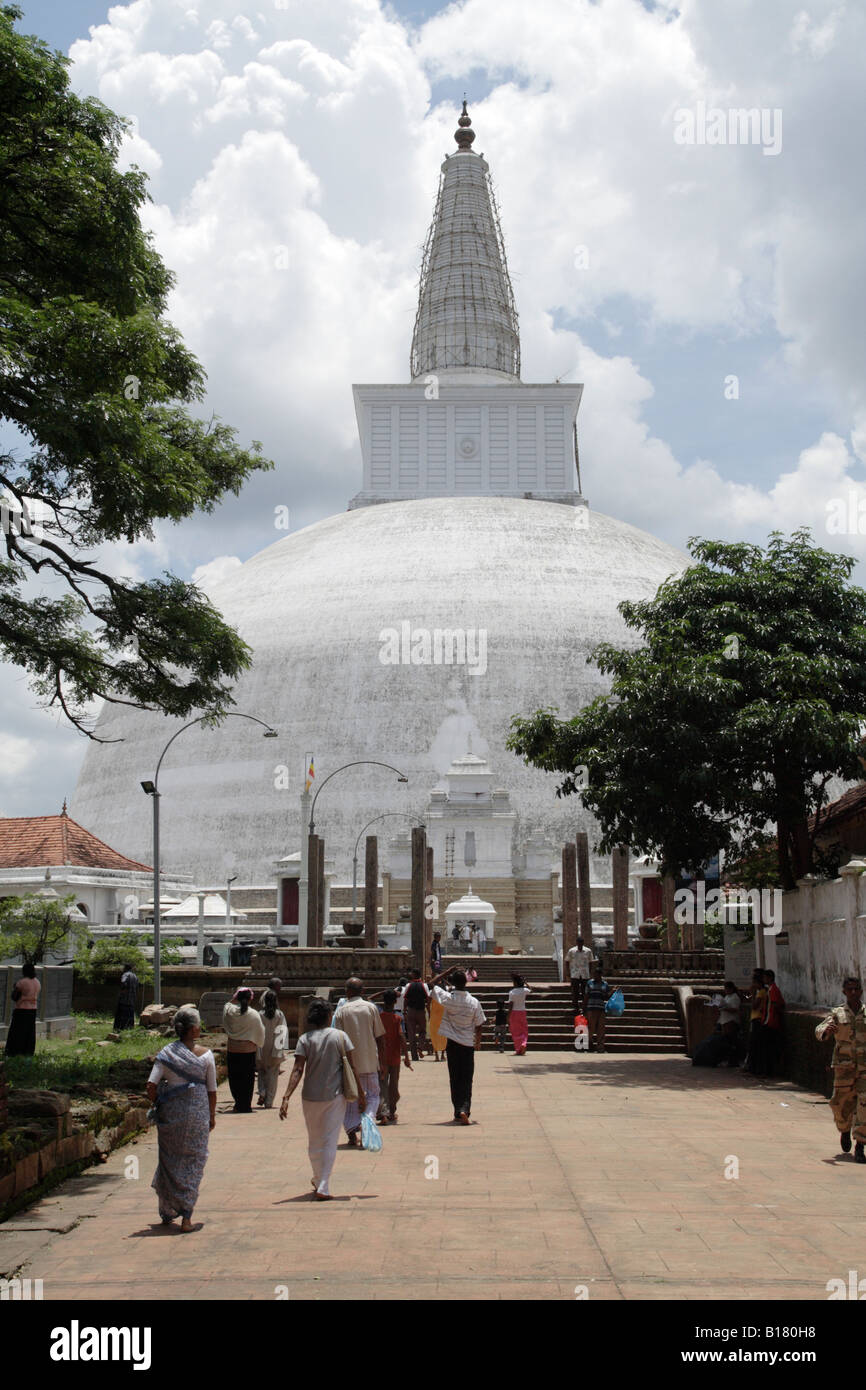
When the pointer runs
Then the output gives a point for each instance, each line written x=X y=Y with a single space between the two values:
x=704 y=281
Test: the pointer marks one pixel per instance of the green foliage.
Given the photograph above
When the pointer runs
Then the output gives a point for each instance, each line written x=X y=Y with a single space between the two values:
x=97 y=383
x=31 y=926
x=106 y=958
x=67 y=1064
x=744 y=700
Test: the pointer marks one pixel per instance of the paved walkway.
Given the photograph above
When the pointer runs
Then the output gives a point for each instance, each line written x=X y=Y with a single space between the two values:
x=596 y=1173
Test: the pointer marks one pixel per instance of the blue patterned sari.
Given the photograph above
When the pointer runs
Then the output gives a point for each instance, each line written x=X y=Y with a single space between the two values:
x=183 y=1126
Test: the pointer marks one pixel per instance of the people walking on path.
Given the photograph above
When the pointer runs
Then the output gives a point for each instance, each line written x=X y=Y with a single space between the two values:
x=580 y=962
x=182 y=1089
x=517 y=1016
x=246 y=1034
x=462 y=1021
x=395 y=1050
x=598 y=991
x=272 y=1052
x=438 y=1041
x=362 y=1021
x=846 y=1025
x=21 y=1038
x=500 y=1024
x=319 y=1061
x=416 y=1001
x=124 y=1016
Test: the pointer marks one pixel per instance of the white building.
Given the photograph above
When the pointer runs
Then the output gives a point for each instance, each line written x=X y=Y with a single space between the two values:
x=468 y=582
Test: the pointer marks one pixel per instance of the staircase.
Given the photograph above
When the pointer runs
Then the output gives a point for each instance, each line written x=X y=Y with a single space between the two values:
x=650 y=1024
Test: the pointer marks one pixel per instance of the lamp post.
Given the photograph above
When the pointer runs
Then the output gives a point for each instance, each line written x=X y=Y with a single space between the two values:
x=403 y=815
x=302 y=886
x=152 y=790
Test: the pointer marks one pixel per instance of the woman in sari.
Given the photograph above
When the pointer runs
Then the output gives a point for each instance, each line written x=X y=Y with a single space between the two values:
x=437 y=1040
x=182 y=1090
x=246 y=1034
x=517 y=1021
x=319 y=1061
x=21 y=1038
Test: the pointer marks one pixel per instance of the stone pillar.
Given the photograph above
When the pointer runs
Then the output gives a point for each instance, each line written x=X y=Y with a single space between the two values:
x=419 y=875
x=320 y=892
x=671 y=941
x=371 y=894
x=304 y=876
x=619 y=866
x=313 y=891
x=569 y=899
x=584 y=889
x=429 y=923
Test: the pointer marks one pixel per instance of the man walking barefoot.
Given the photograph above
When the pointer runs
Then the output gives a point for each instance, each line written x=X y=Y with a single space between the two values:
x=362 y=1022
x=846 y=1025
x=462 y=1021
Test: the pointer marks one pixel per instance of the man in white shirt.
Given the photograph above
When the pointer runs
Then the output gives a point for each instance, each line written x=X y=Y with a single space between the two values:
x=462 y=1021
x=580 y=962
x=362 y=1022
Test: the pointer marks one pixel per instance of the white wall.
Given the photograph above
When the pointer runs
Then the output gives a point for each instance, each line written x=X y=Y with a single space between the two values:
x=826 y=927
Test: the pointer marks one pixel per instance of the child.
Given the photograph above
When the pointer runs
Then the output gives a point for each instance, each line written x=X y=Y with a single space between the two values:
x=395 y=1047
x=500 y=1025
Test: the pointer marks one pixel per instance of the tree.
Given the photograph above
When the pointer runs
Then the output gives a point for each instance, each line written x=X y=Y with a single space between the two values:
x=96 y=382
x=31 y=926
x=106 y=957
x=745 y=701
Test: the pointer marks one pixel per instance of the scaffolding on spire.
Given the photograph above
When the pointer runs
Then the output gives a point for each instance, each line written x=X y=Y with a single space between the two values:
x=466 y=315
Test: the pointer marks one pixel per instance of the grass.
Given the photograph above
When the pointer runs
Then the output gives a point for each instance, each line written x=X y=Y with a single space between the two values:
x=61 y=1064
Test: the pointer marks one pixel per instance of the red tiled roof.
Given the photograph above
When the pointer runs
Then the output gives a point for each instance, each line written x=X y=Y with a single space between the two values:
x=850 y=803
x=31 y=841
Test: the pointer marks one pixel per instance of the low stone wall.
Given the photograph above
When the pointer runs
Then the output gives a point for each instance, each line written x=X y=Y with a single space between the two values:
x=807 y=1061
x=181 y=984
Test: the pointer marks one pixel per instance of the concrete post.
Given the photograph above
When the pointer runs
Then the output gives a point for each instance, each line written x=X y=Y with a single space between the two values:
x=584 y=889
x=852 y=872
x=619 y=867
x=419 y=874
x=428 y=912
x=312 y=891
x=304 y=878
x=371 y=894
x=569 y=898
x=320 y=891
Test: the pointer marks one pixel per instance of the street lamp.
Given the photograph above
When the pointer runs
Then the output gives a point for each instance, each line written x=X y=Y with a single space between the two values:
x=152 y=790
x=304 y=878
x=403 y=815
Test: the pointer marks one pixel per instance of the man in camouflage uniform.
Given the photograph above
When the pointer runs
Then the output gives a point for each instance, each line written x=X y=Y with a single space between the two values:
x=846 y=1025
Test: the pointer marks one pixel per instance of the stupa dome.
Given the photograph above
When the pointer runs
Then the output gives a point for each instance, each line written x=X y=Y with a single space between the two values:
x=343 y=619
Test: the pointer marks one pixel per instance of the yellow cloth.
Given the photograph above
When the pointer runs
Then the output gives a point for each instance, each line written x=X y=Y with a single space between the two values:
x=436 y=1038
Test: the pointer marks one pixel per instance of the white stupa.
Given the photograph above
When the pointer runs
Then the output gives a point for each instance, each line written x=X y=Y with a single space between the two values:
x=468 y=582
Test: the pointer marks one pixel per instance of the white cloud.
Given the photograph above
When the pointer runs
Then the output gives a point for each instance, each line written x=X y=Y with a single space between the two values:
x=294 y=155
x=16 y=756
x=215 y=571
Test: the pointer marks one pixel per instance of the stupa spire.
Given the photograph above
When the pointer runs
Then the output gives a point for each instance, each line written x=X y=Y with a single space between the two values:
x=466 y=316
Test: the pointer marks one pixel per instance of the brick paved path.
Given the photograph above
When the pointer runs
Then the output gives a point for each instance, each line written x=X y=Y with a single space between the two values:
x=600 y=1171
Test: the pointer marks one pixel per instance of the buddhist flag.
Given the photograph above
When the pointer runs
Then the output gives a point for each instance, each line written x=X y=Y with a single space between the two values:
x=311 y=773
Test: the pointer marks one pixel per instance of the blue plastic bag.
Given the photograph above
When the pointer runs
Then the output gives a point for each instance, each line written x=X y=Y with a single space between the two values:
x=615 y=1004
x=371 y=1138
